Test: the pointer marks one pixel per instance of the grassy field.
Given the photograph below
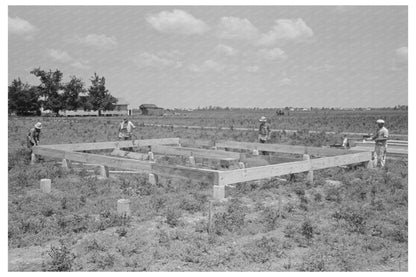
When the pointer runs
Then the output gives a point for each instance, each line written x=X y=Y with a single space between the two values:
x=348 y=220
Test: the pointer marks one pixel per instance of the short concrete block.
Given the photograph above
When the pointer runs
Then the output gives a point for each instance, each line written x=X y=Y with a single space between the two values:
x=104 y=171
x=32 y=159
x=153 y=179
x=66 y=164
x=123 y=207
x=45 y=185
x=191 y=161
x=219 y=192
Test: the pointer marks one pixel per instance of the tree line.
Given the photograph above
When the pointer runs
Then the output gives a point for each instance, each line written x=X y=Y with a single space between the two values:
x=55 y=95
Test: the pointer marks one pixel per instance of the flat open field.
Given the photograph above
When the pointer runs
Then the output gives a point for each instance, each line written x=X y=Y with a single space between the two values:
x=348 y=220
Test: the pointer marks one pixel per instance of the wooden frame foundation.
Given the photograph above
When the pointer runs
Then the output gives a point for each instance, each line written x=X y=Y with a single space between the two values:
x=313 y=158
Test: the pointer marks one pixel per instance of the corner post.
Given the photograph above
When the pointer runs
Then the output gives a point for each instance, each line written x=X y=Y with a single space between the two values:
x=309 y=176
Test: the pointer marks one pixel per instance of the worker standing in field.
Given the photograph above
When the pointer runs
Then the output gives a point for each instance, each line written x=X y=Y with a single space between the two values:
x=380 y=139
x=125 y=129
x=33 y=137
x=264 y=132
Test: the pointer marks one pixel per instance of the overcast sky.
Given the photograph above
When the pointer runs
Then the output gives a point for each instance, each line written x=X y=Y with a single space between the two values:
x=221 y=56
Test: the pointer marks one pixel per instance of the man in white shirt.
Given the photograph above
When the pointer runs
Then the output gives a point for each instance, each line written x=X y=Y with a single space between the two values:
x=380 y=139
x=125 y=129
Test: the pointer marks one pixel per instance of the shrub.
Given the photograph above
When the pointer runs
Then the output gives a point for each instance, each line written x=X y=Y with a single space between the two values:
x=61 y=258
x=307 y=230
x=355 y=221
x=263 y=250
x=231 y=220
x=332 y=194
x=158 y=202
x=318 y=197
x=173 y=217
x=290 y=230
x=270 y=217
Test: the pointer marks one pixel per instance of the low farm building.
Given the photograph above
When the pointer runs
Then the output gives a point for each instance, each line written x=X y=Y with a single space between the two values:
x=151 y=109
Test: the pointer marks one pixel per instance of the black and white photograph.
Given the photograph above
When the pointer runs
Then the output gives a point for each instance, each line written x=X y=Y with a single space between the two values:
x=207 y=138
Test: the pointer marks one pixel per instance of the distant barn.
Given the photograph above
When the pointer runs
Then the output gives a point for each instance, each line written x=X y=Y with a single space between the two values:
x=151 y=109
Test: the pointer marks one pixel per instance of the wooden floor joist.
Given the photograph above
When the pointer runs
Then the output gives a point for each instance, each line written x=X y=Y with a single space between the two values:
x=262 y=172
x=115 y=144
x=115 y=162
x=128 y=154
x=282 y=148
x=196 y=152
x=196 y=174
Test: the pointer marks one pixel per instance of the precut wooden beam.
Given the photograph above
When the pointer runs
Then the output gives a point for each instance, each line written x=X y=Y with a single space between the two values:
x=196 y=152
x=268 y=171
x=115 y=144
x=282 y=148
x=115 y=162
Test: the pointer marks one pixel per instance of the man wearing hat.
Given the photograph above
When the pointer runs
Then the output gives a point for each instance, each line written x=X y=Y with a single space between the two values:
x=33 y=136
x=125 y=129
x=380 y=139
x=264 y=131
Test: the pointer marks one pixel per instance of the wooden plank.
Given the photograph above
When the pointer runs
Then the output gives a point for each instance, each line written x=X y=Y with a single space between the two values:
x=389 y=145
x=115 y=144
x=196 y=174
x=268 y=171
x=262 y=172
x=282 y=148
x=328 y=162
x=128 y=154
x=122 y=163
x=390 y=150
x=196 y=143
x=196 y=152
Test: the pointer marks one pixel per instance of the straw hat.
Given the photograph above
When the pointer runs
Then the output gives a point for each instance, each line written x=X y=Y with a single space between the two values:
x=380 y=121
x=263 y=119
x=38 y=125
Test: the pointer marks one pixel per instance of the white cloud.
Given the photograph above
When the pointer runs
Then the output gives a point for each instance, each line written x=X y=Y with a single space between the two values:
x=400 y=60
x=80 y=64
x=226 y=50
x=212 y=66
x=21 y=27
x=178 y=22
x=236 y=28
x=160 y=60
x=60 y=56
x=402 y=54
x=319 y=68
x=96 y=41
x=272 y=54
x=285 y=30
x=285 y=82
x=64 y=57
x=252 y=68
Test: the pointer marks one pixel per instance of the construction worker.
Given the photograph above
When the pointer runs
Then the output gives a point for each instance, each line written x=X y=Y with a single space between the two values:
x=33 y=135
x=125 y=129
x=264 y=132
x=380 y=139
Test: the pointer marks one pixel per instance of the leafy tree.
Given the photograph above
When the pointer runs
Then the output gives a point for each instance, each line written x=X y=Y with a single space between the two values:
x=50 y=89
x=72 y=94
x=99 y=98
x=23 y=98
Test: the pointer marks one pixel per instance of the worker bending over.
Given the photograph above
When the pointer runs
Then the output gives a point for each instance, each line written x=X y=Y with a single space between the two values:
x=380 y=139
x=125 y=129
x=33 y=137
